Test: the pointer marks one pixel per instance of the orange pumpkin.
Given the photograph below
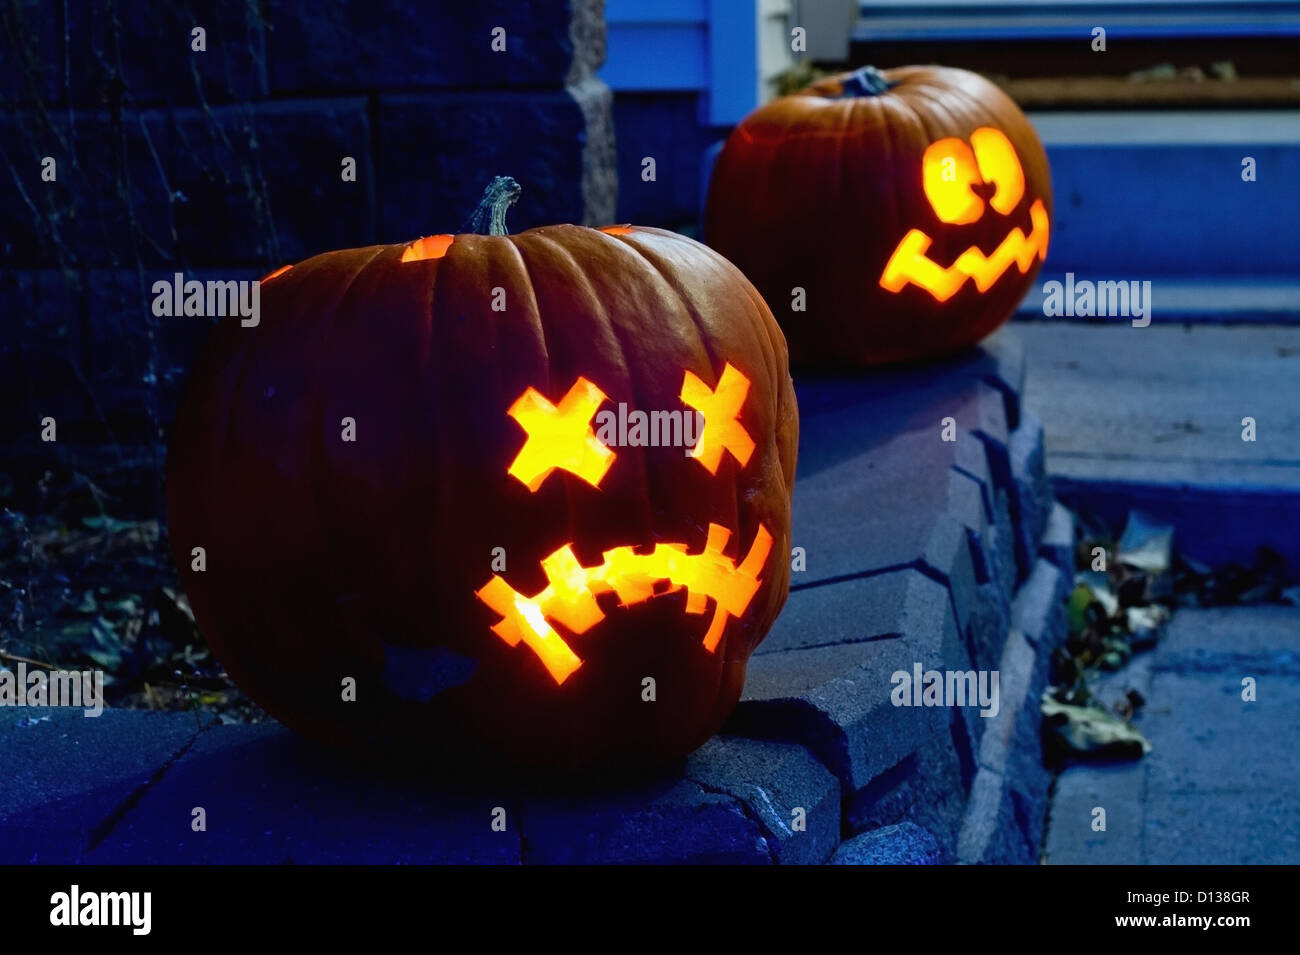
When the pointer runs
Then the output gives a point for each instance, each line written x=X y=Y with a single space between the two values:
x=401 y=478
x=885 y=215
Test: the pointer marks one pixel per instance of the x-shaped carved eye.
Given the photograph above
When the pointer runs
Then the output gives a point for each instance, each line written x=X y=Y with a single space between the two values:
x=561 y=436
x=721 y=410
x=950 y=170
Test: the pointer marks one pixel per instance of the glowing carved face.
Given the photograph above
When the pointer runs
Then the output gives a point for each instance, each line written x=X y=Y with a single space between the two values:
x=950 y=171
x=560 y=437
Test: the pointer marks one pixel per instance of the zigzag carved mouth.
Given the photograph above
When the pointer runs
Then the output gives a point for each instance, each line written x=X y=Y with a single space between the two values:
x=910 y=264
x=569 y=597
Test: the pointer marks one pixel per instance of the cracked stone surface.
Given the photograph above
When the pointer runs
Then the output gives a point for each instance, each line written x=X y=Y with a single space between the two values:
x=67 y=776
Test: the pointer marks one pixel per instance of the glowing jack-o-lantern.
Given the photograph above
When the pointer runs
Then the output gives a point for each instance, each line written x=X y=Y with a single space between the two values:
x=403 y=478
x=885 y=215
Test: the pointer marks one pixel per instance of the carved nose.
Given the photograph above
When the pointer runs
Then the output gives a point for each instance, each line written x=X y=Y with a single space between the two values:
x=985 y=190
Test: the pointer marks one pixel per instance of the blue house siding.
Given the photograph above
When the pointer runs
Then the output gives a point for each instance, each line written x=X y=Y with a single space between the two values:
x=664 y=126
x=683 y=73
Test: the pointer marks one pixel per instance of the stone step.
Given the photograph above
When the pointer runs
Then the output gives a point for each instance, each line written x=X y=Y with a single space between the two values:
x=927 y=523
x=1153 y=418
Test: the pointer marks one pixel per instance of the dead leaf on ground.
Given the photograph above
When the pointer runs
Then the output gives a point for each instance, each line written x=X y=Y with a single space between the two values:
x=1088 y=731
x=1145 y=544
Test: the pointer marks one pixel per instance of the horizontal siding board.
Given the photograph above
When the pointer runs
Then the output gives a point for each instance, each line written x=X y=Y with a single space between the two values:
x=656 y=57
x=620 y=12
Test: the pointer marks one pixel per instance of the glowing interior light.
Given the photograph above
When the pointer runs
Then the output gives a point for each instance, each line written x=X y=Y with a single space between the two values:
x=909 y=263
x=998 y=164
x=430 y=247
x=720 y=408
x=569 y=597
x=948 y=170
x=524 y=621
x=560 y=436
x=280 y=271
x=617 y=230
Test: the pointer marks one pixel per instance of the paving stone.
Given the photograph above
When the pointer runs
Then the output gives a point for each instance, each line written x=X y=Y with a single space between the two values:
x=849 y=414
x=835 y=701
x=1245 y=640
x=1039 y=606
x=903 y=844
x=1028 y=780
x=396 y=44
x=966 y=500
x=988 y=624
x=67 y=775
x=1010 y=747
x=864 y=609
x=1117 y=788
x=989 y=833
x=1250 y=827
x=1016 y=683
x=1205 y=738
x=1003 y=536
x=672 y=821
x=927 y=787
x=1031 y=491
x=1039 y=618
x=954 y=556
x=987 y=613
x=1000 y=360
x=831 y=691
x=1057 y=544
x=272 y=798
x=840 y=521
x=774 y=780
x=972 y=459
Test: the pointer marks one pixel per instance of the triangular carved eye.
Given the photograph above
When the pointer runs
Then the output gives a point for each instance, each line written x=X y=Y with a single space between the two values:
x=950 y=170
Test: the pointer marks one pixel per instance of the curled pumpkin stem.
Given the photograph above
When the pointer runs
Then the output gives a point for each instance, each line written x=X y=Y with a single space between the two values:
x=867 y=81
x=490 y=216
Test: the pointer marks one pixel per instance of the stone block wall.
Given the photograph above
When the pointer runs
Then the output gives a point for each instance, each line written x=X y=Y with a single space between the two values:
x=228 y=162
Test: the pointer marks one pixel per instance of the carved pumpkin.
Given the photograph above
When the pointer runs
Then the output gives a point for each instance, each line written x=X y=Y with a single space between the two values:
x=885 y=216
x=402 y=477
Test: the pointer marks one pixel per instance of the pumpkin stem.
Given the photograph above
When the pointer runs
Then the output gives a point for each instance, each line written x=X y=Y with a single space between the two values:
x=490 y=216
x=867 y=81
